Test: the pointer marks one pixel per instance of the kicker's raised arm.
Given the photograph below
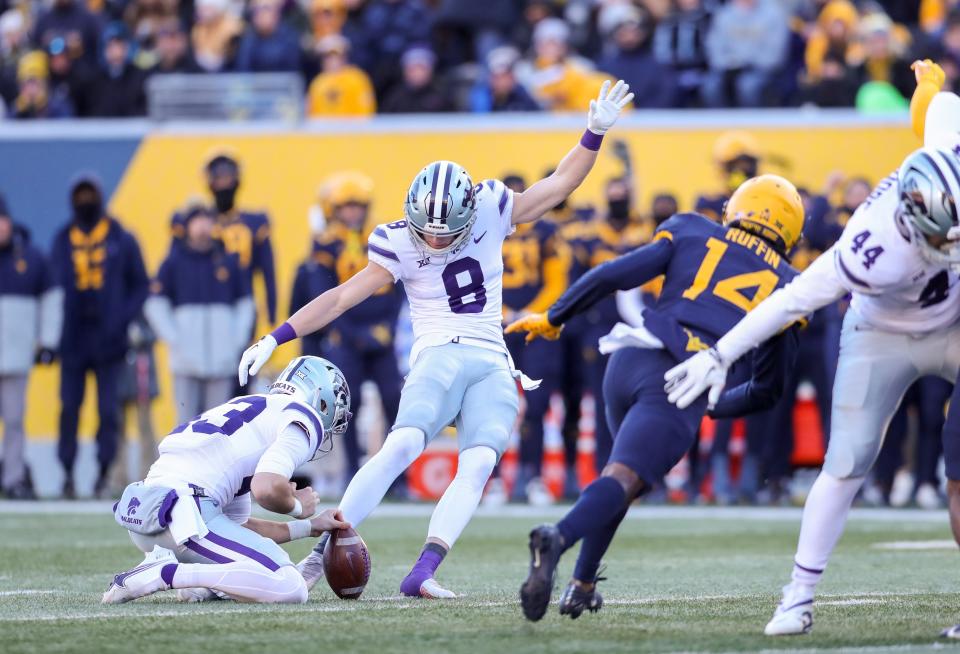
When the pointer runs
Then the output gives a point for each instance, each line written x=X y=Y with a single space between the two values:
x=573 y=168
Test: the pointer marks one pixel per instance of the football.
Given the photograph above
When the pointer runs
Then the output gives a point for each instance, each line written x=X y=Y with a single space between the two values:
x=346 y=563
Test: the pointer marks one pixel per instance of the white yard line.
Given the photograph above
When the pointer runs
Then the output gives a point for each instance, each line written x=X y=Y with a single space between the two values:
x=27 y=591
x=381 y=604
x=916 y=545
x=870 y=649
x=851 y=602
x=422 y=510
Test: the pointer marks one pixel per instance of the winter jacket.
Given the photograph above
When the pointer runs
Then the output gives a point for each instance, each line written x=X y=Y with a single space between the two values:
x=104 y=286
x=201 y=305
x=31 y=307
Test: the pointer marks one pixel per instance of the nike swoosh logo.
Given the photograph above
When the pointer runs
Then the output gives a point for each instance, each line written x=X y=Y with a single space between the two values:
x=479 y=238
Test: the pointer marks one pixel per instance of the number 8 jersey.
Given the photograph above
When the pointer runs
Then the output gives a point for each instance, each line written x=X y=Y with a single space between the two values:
x=458 y=294
x=894 y=288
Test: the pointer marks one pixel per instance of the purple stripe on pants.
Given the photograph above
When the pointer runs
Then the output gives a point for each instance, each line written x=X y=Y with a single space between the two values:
x=259 y=557
x=205 y=553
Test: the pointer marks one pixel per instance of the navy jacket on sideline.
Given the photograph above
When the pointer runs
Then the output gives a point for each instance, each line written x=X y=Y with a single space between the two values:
x=202 y=307
x=31 y=306
x=104 y=288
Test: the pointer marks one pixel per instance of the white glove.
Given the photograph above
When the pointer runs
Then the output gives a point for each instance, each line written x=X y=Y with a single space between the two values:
x=255 y=356
x=606 y=108
x=687 y=381
x=623 y=335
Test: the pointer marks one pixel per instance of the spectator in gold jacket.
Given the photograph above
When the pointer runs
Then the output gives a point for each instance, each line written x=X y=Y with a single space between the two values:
x=340 y=89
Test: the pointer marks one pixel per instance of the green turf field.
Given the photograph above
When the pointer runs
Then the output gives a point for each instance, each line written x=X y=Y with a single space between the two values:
x=679 y=581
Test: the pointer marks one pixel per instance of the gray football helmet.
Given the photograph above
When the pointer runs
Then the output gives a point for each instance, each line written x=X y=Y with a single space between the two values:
x=441 y=202
x=320 y=384
x=929 y=185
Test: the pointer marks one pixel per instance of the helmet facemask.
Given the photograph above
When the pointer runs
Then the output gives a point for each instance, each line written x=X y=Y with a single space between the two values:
x=320 y=384
x=441 y=202
x=928 y=185
x=417 y=236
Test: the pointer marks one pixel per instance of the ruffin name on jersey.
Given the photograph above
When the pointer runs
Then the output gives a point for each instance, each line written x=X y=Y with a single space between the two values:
x=754 y=243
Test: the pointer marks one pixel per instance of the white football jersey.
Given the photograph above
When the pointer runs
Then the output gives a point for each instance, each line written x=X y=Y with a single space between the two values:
x=219 y=451
x=894 y=288
x=458 y=294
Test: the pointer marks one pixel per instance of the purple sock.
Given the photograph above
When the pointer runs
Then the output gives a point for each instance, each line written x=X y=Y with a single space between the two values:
x=167 y=572
x=430 y=559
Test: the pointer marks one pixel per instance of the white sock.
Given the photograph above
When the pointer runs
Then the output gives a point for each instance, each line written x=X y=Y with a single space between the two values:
x=244 y=581
x=824 y=517
x=462 y=496
x=372 y=481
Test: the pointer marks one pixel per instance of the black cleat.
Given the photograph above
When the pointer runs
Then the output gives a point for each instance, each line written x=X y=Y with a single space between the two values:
x=575 y=600
x=545 y=552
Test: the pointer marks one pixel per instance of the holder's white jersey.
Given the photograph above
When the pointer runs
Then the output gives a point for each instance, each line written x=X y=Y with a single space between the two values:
x=220 y=450
x=459 y=294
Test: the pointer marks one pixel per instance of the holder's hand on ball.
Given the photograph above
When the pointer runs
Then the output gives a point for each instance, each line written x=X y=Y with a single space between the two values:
x=327 y=520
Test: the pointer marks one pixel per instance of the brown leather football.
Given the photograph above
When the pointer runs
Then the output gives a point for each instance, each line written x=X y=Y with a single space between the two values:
x=346 y=563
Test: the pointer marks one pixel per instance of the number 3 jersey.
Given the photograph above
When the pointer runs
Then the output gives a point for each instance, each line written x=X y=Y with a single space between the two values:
x=894 y=288
x=219 y=451
x=458 y=294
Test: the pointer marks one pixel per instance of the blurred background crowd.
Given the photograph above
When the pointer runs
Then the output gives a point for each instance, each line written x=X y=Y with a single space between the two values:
x=199 y=303
x=93 y=58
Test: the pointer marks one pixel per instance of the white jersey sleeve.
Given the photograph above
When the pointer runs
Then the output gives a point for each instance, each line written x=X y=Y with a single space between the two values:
x=381 y=252
x=894 y=287
x=503 y=197
x=815 y=287
x=290 y=451
x=942 y=123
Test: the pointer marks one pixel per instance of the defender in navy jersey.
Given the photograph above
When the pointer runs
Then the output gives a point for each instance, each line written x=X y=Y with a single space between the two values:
x=714 y=275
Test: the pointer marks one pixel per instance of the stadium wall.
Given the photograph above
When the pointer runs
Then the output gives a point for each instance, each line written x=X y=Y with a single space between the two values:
x=150 y=170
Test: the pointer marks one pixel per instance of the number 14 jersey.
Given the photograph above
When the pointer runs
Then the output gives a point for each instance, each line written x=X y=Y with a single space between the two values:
x=458 y=294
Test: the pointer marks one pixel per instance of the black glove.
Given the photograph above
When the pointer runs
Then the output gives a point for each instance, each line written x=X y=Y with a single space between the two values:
x=45 y=356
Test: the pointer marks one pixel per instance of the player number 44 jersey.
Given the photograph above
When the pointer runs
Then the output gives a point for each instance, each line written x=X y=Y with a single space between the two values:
x=459 y=294
x=220 y=450
x=893 y=286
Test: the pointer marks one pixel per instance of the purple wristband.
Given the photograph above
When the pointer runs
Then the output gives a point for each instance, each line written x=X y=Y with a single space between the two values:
x=591 y=141
x=284 y=333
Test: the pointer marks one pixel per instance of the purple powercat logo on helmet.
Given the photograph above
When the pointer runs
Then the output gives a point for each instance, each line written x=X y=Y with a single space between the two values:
x=132 y=506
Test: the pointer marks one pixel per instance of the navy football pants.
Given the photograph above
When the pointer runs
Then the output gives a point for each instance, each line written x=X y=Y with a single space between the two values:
x=650 y=435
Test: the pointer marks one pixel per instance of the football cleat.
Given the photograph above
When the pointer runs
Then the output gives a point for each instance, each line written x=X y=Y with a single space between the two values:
x=928 y=497
x=538 y=494
x=575 y=600
x=194 y=595
x=143 y=580
x=430 y=589
x=311 y=567
x=951 y=632
x=794 y=615
x=496 y=494
x=545 y=550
